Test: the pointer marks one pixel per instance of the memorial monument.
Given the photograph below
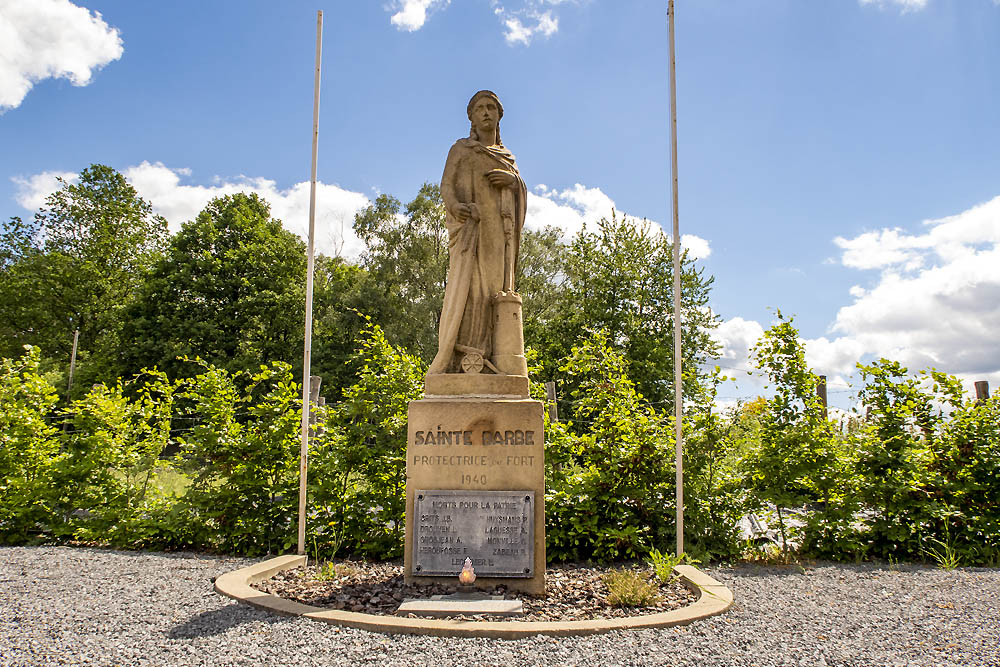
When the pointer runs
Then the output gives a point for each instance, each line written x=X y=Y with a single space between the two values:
x=475 y=459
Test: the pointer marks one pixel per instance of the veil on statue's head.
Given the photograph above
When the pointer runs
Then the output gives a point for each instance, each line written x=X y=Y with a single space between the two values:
x=473 y=134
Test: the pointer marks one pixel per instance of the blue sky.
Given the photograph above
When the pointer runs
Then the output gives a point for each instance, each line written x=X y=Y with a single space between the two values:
x=839 y=159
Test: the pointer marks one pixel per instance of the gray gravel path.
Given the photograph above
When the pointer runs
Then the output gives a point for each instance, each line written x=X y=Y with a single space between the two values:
x=73 y=606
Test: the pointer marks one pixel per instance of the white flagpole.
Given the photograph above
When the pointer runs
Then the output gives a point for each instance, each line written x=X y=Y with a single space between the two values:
x=678 y=376
x=307 y=347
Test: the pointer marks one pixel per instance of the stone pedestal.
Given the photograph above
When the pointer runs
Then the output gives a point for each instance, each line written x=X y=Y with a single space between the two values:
x=468 y=446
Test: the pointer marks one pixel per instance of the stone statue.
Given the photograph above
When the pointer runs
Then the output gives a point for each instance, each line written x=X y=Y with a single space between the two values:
x=485 y=200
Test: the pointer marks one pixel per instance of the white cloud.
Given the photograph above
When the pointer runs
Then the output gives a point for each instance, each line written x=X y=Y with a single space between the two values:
x=32 y=191
x=42 y=39
x=568 y=210
x=697 y=247
x=933 y=303
x=179 y=202
x=539 y=23
x=521 y=20
x=905 y=5
x=833 y=358
x=935 y=300
x=735 y=338
x=572 y=208
x=412 y=14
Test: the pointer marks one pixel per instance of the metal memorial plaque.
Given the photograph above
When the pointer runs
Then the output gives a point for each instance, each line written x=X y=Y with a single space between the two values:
x=496 y=529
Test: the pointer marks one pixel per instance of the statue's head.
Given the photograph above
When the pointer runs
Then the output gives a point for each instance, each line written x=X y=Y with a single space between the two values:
x=489 y=95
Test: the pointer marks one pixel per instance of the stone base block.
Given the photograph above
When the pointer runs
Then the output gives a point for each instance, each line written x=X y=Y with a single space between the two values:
x=441 y=606
x=472 y=446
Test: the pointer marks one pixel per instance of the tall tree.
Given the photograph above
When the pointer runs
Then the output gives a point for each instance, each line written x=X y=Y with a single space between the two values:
x=541 y=272
x=337 y=323
x=229 y=289
x=406 y=262
x=76 y=265
x=618 y=278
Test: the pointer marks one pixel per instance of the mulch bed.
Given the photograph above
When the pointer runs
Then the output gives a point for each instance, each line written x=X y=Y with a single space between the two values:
x=573 y=592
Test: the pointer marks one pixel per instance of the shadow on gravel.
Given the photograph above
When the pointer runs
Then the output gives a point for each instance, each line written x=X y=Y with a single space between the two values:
x=217 y=621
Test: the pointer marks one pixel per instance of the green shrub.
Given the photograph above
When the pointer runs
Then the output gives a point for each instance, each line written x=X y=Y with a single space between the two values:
x=109 y=465
x=358 y=469
x=242 y=457
x=609 y=491
x=28 y=449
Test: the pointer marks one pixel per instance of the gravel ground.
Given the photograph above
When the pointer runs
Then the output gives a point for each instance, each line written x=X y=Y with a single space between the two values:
x=75 y=606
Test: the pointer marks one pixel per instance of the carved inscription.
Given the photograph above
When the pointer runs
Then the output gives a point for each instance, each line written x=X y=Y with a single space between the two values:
x=493 y=528
x=504 y=438
x=487 y=449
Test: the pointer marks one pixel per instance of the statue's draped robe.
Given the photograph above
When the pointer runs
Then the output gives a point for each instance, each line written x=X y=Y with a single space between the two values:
x=475 y=248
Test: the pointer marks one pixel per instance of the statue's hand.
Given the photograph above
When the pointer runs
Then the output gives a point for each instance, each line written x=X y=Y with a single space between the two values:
x=500 y=178
x=466 y=212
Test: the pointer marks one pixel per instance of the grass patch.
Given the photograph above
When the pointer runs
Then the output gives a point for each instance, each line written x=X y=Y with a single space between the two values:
x=628 y=588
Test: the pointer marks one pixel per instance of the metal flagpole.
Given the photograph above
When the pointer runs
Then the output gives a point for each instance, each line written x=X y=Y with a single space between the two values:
x=307 y=347
x=678 y=376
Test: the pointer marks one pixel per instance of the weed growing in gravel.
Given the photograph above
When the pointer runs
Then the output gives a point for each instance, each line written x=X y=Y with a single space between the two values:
x=944 y=554
x=663 y=564
x=331 y=571
x=627 y=588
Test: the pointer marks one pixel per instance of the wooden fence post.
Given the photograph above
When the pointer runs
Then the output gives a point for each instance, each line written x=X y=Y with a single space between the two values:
x=821 y=392
x=550 y=394
x=314 y=384
x=982 y=390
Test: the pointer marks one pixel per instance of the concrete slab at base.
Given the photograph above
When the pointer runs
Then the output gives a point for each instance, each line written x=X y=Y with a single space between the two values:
x=443 y=608
x=714 y=598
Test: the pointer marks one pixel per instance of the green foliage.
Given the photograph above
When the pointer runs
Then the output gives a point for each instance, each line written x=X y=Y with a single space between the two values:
x=332 y=571
x=241 y=455
x=627 y=588
x=541 y=268
x=663 y=565
x=28 y=448
x=715 y=496
x=109 y=465
x=619 y=278
x=358 y=477
x=943 y=552
x=928 y=463
x=795 y=461
x=337 y=299
x=609 y=490
x=229 y=289
x=406 y=261
x=77 y=265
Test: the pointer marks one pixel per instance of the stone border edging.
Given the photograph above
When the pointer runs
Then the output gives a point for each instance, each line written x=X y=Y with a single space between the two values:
x=715 y=599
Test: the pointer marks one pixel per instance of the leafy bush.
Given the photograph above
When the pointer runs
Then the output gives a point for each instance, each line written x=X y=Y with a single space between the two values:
x=715 y=495
x=104 y=483
x=609 y=490
x=358 y=474
x=928 y=464
x=794 y=462
x=28 y=448
x=242 y=456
